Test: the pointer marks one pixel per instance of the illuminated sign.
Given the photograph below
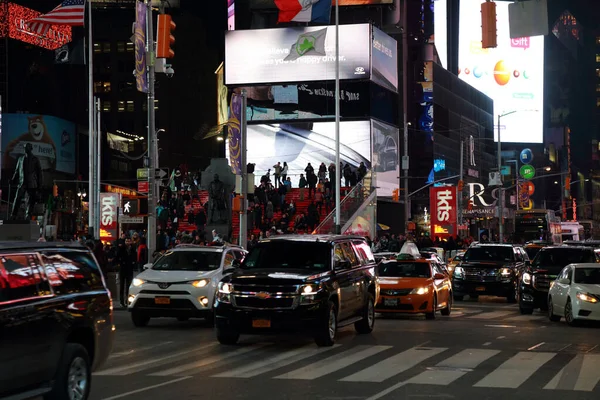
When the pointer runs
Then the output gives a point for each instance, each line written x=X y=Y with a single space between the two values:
x=109 y=203
x=120 y=190
x=439 y=165
x=16 y=28
x=443 y=203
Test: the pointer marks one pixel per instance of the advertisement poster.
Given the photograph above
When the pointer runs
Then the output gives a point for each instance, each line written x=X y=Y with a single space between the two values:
x=385 y=60
x=53 y=141
x=299 y=54
x=443 y=204
x=230 y=15
x=385 y=157
x=512 y=74
x=109 y=223
x=141 y=76
x=234 y=135
x=56 y=36
x=362 y=2
x=440 y=27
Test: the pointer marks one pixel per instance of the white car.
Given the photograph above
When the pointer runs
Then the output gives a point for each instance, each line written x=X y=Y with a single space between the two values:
x=181 y=283
x=575 y=294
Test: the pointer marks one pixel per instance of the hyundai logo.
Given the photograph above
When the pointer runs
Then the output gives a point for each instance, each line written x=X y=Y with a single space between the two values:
x=359 y=71
x=263 y=295
x=164 y=285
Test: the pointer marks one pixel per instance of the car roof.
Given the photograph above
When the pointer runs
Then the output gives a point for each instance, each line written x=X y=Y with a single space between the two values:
x=419 y=260
x=197 y=247
x=567 y=247
x=586 y=265
x=494 y=245
x=24 y=245
x=312 y=238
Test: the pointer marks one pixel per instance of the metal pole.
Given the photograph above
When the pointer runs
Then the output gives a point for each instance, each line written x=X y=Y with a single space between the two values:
x=152 y=195
x=91 y=211
x=517 y=183
x=98 y=167
x=338 y=170
x=244 y=170
x=405 y=161
x=460 y=197
x=500 y=213
x=93 y=205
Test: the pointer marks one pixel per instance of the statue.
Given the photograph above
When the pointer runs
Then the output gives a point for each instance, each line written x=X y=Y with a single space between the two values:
x=28 y=172
x=217 y=201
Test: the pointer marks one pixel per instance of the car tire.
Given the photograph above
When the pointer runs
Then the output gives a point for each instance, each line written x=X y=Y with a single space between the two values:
x=431 y=315
x=448 y=309
x=228 y=337
x=139 y=319
x=569 y=317
x=551 y=316
x=327 y=329
x=367 y=323
x=525 y=310
x=73 y=376
x=457 y=297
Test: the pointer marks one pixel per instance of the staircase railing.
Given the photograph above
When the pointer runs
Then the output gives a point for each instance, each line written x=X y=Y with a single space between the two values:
x=352 y=202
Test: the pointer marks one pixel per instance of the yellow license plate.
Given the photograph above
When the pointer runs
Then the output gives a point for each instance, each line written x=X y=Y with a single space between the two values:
x=162 y=300
x=261 y=323
x=480 y=289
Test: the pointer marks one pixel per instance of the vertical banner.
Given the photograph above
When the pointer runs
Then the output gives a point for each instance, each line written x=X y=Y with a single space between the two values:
x=444 y=205
x=141 y=76
x=109 y=209
x=234 y=135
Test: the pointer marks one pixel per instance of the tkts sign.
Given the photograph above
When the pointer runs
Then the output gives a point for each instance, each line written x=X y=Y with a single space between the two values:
x=443 y=203
x=109 y=211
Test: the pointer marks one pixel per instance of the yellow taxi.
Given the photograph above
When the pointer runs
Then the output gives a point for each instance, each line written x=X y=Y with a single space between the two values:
x=414 y=286
x=453 y=262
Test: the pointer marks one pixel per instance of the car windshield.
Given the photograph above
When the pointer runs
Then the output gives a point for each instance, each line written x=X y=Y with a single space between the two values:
x=278 y=255
x=563 y=257
x=405 y=270
x=589 y=276
x=459 y=257
x=490 y=253
x=188 y=261
x=532 y=252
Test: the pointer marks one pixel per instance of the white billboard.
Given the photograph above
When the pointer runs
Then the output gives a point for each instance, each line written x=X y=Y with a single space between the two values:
x=440 y=25
x=512 y=74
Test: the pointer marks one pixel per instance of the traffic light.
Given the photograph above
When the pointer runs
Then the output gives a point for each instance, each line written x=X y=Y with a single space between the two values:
x=396 y=195
x=55 y=191
x=488 y=25
x=461 y=185
x=165 y=39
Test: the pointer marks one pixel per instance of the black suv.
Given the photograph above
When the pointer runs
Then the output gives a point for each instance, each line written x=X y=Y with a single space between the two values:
x=310 y=283
x=547 y=264
x=489 y=269
x=56 y=321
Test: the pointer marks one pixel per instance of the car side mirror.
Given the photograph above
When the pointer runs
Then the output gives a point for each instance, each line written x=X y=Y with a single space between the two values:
x=147 y=266
x=564 y=281
x=236 y=264
x=439 y=276
x=341 y=265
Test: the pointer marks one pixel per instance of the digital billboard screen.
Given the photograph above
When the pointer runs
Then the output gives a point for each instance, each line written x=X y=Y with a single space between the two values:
x=385 y=60
x=362 y=2
x=385 y=163
x=512 y=74
x=441 y=30
x=298 y=54
x=231 y=15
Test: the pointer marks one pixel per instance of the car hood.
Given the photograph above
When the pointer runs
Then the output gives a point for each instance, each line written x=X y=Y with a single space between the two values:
x=486 y=264
x=592 y=289
x=175 y=276
x=402 y=283
x=544 y=270
x=288 y=277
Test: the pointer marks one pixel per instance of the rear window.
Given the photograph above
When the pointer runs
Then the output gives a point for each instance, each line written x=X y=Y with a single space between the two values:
x=21 y=278
x=563 y=257
x=72 y=271
x=405 y=270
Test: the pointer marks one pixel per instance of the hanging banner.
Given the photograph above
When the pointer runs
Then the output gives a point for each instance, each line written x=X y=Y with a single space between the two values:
x=234 y=134
x=444 y=205
x=109 y=211
x=141 y=76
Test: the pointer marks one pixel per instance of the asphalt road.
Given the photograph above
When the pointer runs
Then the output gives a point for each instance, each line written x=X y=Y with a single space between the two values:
x=485 y=350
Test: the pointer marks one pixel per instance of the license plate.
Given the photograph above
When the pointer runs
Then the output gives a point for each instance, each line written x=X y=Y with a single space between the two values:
x=261 y=323
x=480 y=288
x=390 y=302
x=162 y=300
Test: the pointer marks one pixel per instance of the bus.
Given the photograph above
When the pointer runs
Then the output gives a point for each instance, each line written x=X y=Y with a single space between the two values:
x=537 y=225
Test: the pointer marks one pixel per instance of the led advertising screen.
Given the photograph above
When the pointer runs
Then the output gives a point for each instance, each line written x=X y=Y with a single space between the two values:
x=362 y=2
x=385 y=60
x=385 y=157
x=231 y=15
x=511 y=74
x=298 y=54
x=441 y=30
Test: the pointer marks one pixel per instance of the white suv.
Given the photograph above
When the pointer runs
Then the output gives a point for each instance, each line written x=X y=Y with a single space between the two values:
x=181 y=283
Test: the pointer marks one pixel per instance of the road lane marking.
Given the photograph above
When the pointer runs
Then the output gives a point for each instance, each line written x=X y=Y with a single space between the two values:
x=491 y=315
x=334 y=363
x=132 y=368
x=525 y=318
x=536 y=346
x=275 y=362
x=500 y=326
x=394 y=365
x=581 y=374
x=501 y=337
x=487 y=343
x=137 y=350
x=454 y=367
x=515 y=371
x=119 y=396
x=209 y=361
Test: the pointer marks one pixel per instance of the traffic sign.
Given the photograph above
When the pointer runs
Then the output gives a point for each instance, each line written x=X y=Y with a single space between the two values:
x=527 y=172
x=143 y=186
x=130 y=207
x=526 y=156
x=505 y=170
x=161 y=173
x=143 y=174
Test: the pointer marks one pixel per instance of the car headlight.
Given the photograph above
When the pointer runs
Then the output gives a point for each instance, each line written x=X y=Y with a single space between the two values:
x=587 y=297
x=308 y=294
x=225 y=287
x=421 y=290
x=201 y=283
x=505 y=271
x=137 y=282
x=224 y=293
x=527 y=278
x=458 y=272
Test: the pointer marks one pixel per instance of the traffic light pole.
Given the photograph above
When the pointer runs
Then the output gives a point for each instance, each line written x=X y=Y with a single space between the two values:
x=460 y=185
x=152 y=165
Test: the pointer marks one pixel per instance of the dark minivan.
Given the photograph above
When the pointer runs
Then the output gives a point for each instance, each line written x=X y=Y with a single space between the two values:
x=310 y=283
x=56 y=321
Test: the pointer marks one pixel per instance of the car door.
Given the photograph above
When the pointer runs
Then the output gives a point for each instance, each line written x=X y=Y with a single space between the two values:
x=441 y=285
x=343 y=276
x=357 y=277
x=559 y=298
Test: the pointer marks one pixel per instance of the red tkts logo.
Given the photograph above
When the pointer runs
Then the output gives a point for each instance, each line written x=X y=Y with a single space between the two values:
x=443 y=202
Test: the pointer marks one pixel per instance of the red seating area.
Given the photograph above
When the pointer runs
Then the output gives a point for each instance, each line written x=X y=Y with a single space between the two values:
x=185 y=226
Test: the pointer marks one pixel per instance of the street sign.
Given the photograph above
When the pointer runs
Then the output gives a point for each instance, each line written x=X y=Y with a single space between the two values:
x=505 y=170
x=143 y=174
x=130 y=207
x=143 y=186
x=526 y=156
x=125 y=219
x=527 y=172
x=161 y=173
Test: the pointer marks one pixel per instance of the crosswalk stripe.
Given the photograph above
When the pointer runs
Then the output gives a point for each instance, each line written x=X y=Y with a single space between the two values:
x=209 y=361
x=449 y=370
x=153 y=362
x=274 y=362
x=580 y=374
x=492 y=315
x=394 y=365
x=334 y=363
x=516 y=370
x=526 y=318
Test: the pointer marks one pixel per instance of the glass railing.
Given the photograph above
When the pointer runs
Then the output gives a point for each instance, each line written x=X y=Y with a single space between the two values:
x=349 y=205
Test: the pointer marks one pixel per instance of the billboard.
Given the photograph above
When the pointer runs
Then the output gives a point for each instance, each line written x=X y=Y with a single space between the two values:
x=444 y=205
x=109 y=211
x=53 y=141
x=440 y=25
x=362 y=2
x=298 y=54
x=14 y=26
x=385 y=157
x=385 y=60
x=230 y=15
x=512 y=74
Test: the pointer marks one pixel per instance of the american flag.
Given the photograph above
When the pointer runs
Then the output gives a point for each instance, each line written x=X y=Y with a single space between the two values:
x=69 y=12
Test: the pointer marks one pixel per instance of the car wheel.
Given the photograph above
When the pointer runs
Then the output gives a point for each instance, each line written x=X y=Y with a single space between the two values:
x=431 y=315
x=139 y=319
x=551 y=316
x=366 y=324
x=569 y=317
x=227 y=337
x=525 y=310
x=448 y=309
x=73 y=377
x=327 y=331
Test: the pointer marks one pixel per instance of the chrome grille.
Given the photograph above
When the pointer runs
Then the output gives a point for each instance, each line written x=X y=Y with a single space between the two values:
x=542 y=282
x=481 y=275
x=395 y=292
x=271 y=303
x=264 y=296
